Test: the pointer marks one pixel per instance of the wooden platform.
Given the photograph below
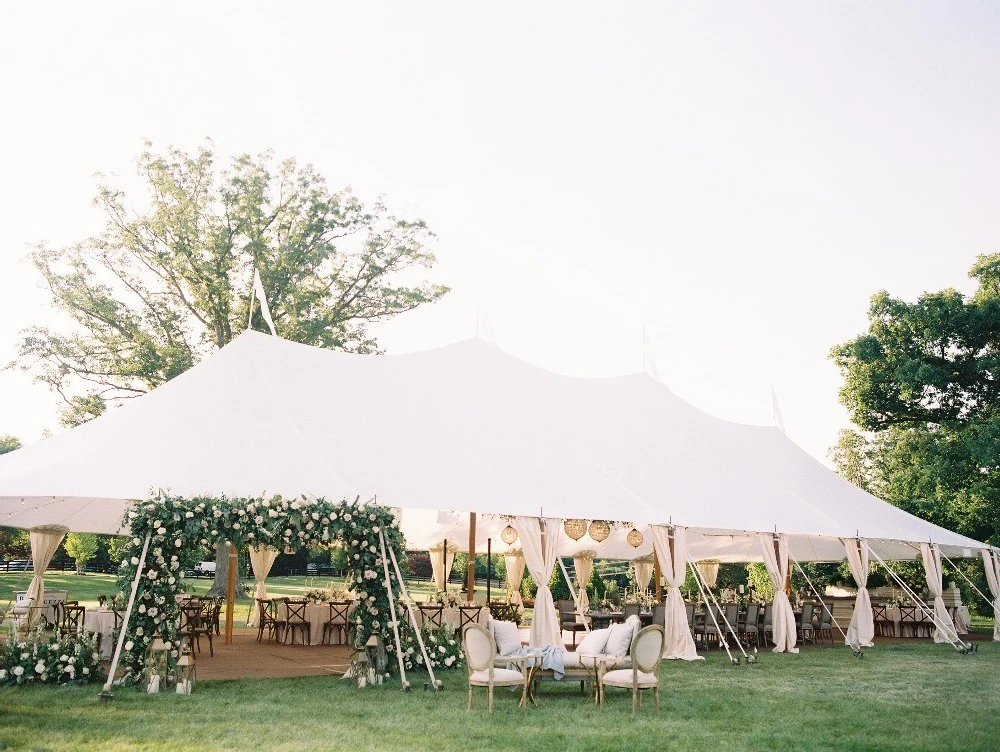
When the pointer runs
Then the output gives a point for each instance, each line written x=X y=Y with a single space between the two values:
x=246 y=658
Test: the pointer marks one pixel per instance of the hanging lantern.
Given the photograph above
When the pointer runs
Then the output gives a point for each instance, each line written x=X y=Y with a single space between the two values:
x=709 y=571
x=508 y=535
x=157 y=672
x=185 y=671
x=599 y=530
x=634 y=538
x=575 y=529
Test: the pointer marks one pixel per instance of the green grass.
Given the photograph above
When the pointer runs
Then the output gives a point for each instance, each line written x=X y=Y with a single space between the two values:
x=899 y=697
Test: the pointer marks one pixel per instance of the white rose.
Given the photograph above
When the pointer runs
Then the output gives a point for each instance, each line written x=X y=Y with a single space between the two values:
x=40 y=667
x=189 y=515
x=177 y=543
x=161 y=531
x=142 y=608
x=136 y=541
x=18 y=670
x=135 y=560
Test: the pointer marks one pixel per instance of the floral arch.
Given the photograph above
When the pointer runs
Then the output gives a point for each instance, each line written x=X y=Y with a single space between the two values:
x=174 y=524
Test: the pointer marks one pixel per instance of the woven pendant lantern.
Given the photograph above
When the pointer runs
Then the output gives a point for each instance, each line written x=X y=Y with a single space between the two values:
x=575 y=529
x=599 y=530
x=634 y=538
x=508 y=534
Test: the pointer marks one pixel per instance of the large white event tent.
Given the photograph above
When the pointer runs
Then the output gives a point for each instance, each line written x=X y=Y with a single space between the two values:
x=460 y=428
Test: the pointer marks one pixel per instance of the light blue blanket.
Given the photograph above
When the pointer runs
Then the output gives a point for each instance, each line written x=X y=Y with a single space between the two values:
x=548 y=657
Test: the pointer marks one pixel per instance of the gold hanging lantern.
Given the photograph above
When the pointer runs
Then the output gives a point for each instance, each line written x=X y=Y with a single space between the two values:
x=508 y=535
x=709 y=571
x=575 y=529
x=599 y=530
x=634 y=538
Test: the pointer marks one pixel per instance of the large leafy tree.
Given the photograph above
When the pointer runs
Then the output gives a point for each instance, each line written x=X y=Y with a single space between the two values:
x=169 y=281
x=923 y=386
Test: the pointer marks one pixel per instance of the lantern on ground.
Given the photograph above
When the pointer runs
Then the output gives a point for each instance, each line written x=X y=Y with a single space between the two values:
x=157 y=672
x=378 y=659
x=185 y=673
x=360 y=669
x=508 y=535
x=599 y=530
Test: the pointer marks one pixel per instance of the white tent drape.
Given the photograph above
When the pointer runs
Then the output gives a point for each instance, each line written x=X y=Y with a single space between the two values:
x=514 y=560
x=643 y=569
x=932 y=570
x=261 y=559
x=709 y=571
x=583 y=565
x=991 y=561
x=861 y=632
x=44 y=542
x=782 y=616
x=540 y=557
x=441 y=564
x=678 y=643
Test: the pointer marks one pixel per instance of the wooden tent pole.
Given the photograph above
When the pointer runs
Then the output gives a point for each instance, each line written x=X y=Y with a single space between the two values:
x=231 y=592
x=472 y=557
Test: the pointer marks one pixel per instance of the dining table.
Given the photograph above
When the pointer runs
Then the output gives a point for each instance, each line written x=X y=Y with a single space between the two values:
x=101 y=621
x=905 y=619
x=601 y=620
x=317 y=614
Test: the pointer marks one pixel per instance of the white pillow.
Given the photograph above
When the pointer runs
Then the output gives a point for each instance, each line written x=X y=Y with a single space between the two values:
x=595 y=642
x=636 y=623
x=507 y=637
x=619 y=640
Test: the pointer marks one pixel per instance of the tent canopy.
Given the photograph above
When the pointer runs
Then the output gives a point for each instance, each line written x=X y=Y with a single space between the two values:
x=465 y=427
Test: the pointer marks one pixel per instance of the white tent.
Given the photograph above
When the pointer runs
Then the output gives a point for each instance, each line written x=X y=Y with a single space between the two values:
x=464 y=427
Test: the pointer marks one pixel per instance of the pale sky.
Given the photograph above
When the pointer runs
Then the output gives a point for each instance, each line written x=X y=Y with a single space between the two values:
x=737 y=178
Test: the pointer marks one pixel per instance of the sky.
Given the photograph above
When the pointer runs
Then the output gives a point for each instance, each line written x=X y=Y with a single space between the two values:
x=737 y=179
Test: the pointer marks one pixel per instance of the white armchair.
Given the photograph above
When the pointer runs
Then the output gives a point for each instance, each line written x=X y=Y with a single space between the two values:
x=480 y=656
x=645 y=652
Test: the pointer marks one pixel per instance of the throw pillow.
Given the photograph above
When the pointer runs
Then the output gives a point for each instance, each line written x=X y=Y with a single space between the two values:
x=595 y=642
x=619 y=640
x=507 y=637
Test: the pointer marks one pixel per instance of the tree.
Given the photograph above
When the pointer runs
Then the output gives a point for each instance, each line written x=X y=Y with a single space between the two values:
x=160 y=288
x=922 y=385
x=9 y=444
x=82 y=547
x=163 y=286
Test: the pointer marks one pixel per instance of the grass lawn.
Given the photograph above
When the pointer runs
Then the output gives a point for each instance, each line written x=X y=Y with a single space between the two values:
x=899 y=697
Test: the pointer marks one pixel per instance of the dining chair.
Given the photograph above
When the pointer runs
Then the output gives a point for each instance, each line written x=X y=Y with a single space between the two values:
x=468 y=615
x=660 y=614
x=296 y=621
x=768 y=621
x=631 y=609
x=826 y=623
x=805 y=625
x=749 y=631
x=730 y=626
x=431 y=613
x=192 y=624
x=266 y=619
x=645 y=653
x=567 y=619
x=480 y=655
x=71 y=621
x=337 y=621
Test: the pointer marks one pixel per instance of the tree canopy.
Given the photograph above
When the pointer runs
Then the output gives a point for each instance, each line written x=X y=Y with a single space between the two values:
x=922 y=386
x=169 y=281
x=9 y=443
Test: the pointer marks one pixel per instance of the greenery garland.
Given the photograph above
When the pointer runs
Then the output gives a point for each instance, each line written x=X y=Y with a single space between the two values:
x=177 y=524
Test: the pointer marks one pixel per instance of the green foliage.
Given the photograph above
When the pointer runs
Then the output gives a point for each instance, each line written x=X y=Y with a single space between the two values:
x=443 y=649
x=160 y=288
x=921 y=384
x=15 y=543
x=81 y=547
x=176 y=524
x=761 y=581
x=9 y=443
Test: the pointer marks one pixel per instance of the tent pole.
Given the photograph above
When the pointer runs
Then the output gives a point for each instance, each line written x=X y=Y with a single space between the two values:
x=231 y=592
x=489 y=554
x=656 y=578
x=472 y=558
x=106 y=693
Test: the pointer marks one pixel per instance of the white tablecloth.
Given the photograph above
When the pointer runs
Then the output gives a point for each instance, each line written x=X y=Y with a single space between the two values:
x=317 y=614
x=960 y=615
x=101 y=621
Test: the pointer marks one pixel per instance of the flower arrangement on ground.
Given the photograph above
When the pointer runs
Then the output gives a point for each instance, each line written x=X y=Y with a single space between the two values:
x=42 y=659
x=444 y=650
